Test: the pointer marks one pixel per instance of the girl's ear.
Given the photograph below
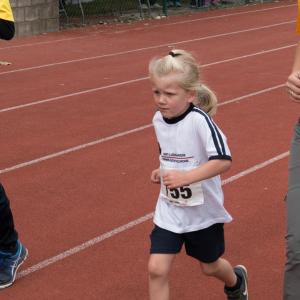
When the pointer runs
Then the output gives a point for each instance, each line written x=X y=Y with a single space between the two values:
x=191 y=96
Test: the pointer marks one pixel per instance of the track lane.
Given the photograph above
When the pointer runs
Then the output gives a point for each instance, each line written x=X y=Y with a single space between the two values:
x=66 y=182
x=94 y=116
x=101 y=73
x=89 y=74
x=110 y=172
x=116 y=268
x=215 y=21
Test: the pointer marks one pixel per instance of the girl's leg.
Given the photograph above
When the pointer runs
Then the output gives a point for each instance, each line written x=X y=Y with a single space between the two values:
x=159 y=267
x=222 y=270
x=235 y=279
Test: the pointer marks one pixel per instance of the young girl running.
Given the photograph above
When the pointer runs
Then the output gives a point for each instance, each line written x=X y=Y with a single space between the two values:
x=193 y=153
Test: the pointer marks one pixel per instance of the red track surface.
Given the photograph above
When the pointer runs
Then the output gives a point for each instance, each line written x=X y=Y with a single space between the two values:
x=66 y=199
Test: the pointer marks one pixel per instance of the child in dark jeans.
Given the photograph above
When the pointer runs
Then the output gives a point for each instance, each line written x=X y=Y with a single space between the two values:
x=12 y=252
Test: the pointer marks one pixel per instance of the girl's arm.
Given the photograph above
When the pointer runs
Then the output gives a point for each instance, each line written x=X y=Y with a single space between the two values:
x=174 y=179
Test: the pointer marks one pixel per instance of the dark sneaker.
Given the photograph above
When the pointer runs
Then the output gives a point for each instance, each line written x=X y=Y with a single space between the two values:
x=242 y=292
x=9 y=264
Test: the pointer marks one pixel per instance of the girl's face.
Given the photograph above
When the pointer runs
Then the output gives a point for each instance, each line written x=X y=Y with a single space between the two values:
x=171 y=99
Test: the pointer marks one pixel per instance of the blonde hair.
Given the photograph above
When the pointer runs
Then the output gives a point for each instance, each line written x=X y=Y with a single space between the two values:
x=184 y=64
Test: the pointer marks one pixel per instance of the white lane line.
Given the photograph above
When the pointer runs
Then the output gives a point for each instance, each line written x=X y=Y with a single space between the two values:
x=90 y=243
x=169 y=44
x=73 y=149
x=84 y=245
x=256 y=167
x=152 y=26
x=267 y=51
x=38 y=102
x=121 y=134
x=71 y=95
x=124 y=133
x=275 y=87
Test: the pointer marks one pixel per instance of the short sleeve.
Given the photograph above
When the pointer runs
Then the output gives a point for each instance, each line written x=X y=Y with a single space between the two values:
x=213 y=139
x=5 y=11
x=217 y=144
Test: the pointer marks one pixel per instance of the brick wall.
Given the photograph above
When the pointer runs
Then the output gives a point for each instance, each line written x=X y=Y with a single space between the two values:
x=35 y=16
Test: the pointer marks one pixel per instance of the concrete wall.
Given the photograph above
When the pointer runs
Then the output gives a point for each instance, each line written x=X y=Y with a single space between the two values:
x=35 y=16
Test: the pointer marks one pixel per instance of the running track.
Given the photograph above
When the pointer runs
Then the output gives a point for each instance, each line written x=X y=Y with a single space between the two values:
x=77 y=149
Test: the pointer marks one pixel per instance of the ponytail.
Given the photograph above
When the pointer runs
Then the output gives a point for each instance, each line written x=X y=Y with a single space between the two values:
x=206 y=100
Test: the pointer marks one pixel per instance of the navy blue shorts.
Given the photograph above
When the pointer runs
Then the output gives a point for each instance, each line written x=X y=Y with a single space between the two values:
x=206 y=245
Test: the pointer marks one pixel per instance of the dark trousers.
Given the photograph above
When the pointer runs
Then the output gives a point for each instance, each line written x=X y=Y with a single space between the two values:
x=7 y=29
x=292 y=267
x=8 y=234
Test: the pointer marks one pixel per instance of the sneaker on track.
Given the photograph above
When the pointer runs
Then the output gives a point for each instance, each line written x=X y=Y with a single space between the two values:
x=9 y=264
x=242 y=292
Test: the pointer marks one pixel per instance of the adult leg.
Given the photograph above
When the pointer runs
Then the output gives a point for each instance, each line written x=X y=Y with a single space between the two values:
x=7 y=29
x=159 y=267
x=8 y=234
x=292 y=266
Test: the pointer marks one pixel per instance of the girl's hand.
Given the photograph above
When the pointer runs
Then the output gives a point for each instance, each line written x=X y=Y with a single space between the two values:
x=173 y=179
x=155 y=176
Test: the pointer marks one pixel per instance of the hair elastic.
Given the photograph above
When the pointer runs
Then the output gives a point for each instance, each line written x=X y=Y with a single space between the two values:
x=174 y=54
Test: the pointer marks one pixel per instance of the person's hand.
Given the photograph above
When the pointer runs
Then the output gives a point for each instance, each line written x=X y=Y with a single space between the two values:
x=174 y=179
x=293 y=86
x=155 y=176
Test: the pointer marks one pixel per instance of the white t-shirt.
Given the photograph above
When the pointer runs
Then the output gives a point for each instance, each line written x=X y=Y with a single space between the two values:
x=186 y=142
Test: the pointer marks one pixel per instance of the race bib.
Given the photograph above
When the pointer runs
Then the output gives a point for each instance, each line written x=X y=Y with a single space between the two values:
x=190 y=195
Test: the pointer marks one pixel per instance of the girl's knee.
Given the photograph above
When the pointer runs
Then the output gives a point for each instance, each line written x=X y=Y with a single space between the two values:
x=210 y=269
x=156 y=270
x=159 y=265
